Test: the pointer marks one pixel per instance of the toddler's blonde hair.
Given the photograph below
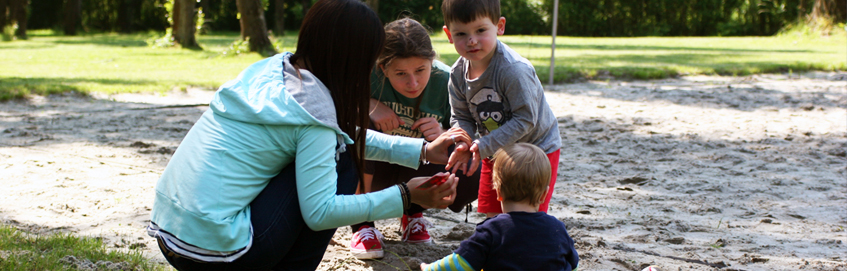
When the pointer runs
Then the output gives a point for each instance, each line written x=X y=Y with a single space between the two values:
x=521 y=172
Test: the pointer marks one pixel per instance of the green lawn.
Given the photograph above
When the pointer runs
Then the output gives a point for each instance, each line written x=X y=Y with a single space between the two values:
x=113 y=63
x=22 y=251
x=660 y=57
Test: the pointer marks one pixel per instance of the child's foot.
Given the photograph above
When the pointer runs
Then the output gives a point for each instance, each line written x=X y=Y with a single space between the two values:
x=367 y=243
x=414 y=229
x=651 y=268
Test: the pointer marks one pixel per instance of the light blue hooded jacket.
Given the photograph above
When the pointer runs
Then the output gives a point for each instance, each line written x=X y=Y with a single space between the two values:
x=257 y=124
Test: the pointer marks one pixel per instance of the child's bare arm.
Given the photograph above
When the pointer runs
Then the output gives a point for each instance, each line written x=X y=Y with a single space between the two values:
x=382 y=117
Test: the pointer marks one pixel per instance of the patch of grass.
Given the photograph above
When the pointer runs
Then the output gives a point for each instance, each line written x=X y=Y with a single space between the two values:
x=661 y=57
x=22 y=251
x=117 y=63
x=114 y=63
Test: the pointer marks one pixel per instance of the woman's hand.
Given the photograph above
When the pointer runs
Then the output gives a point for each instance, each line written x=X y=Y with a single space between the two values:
x=436 y=151
x=430 y=128
x=439 y=196
x=382 y=117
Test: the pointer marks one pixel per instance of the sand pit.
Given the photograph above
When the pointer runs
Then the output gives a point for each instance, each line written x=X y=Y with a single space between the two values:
x=690 y=173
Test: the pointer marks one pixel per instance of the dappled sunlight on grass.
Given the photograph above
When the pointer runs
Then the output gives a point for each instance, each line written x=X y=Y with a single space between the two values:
x=659 y=57
x=114 y=63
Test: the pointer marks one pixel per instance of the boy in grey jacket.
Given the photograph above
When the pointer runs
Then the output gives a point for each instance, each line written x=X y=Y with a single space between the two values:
x=495 y=93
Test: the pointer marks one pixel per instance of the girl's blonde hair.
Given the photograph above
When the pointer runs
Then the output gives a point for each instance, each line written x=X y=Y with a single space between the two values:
x=521 y=172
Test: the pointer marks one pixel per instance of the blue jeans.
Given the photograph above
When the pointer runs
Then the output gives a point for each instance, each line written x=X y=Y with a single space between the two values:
x=281 y=239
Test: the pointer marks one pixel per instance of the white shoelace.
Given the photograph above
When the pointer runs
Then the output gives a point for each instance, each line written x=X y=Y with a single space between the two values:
x=415 y=225
x=369 y=233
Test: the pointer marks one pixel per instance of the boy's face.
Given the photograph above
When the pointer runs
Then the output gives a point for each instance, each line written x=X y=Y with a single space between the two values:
x=476 y=40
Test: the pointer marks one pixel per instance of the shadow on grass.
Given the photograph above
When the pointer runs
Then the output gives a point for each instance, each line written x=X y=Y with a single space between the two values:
x=651 y=48
x=137 y=40
x=642 y=67
x=18 y=87
x=5 y=46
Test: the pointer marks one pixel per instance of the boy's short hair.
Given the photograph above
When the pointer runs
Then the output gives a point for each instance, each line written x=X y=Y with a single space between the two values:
x=521 y=172
x=466 y=11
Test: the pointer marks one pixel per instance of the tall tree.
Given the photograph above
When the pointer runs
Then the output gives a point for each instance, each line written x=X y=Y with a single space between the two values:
x=823 y=9
x=4 y=11
x=128 y=11
x=73 y=10
x=18 y=10
x=253 y=26
x=183 y=24
x=279 y=17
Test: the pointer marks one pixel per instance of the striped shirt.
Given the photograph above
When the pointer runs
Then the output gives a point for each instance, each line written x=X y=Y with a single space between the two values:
x=453 y=262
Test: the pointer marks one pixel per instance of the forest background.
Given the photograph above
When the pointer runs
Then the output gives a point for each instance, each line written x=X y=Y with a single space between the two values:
x=584 y=18
x=85 y=46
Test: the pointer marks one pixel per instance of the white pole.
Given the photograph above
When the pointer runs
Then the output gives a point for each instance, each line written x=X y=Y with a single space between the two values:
x=553 y=46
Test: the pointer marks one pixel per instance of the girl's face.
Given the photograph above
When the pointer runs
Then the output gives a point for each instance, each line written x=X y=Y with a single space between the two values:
x=408 y=76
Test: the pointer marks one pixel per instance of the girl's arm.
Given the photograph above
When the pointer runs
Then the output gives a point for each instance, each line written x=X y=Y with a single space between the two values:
x=382 y=117
x=316 y=186
x=316 y=178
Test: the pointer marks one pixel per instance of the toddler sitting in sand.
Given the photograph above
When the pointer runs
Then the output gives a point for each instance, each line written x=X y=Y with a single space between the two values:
x=521 y=238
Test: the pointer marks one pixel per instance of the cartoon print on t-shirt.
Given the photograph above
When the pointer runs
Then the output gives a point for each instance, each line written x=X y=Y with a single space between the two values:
x=489 y=108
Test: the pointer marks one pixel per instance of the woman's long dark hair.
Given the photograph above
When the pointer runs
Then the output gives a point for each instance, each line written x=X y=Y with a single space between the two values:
x=339 y=42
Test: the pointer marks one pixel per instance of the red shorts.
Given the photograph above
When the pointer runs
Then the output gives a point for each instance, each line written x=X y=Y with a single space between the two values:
x=488 y=203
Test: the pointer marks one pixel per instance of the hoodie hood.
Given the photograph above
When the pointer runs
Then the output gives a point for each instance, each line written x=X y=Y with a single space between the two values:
x=272 y=92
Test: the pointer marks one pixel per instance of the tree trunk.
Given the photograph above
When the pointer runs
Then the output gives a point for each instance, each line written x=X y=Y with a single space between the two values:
x=73 y=10
x=124 y=17
x=279 y=17
x=128 y=12
x=18 y=10
x=253 y=26
x=175 y=17
x=4 y=14
x=183 y=24
x=822 y=9
x=374 y=4
x=306 y=5
x=840 y=11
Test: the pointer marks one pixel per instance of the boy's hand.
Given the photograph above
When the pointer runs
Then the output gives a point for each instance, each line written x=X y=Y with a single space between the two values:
x=424 y=266
x=430 y=128
x=436 y=151
x=477 y=159
x=461 y=155
x=382 y=117
x=459 y=159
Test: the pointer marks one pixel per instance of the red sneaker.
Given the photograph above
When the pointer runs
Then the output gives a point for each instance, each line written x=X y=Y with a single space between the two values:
x=414 y=229
x=367 y=243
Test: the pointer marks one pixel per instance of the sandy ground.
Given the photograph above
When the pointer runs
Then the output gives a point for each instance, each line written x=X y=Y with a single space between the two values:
x=691 y=173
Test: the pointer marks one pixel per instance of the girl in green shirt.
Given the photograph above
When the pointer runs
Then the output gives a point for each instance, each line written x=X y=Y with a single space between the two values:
x=408 y=98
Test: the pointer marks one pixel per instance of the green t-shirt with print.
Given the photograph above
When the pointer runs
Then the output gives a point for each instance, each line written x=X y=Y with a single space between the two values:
x=435 y=101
